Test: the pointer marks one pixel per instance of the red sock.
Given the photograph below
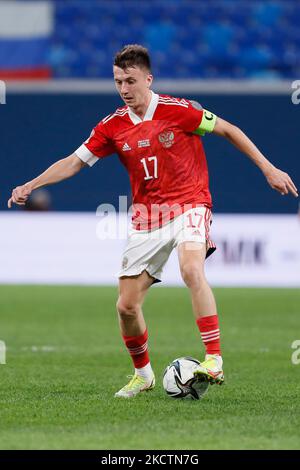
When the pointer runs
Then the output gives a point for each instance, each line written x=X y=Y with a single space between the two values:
x=210 y=333
x=138 y=349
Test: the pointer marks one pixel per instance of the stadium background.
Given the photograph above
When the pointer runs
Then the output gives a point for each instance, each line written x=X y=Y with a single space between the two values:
x=239 y=60
x=187 y=40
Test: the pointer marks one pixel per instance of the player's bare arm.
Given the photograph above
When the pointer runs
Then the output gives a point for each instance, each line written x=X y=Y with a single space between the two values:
x=59 y=171
x=276 y=178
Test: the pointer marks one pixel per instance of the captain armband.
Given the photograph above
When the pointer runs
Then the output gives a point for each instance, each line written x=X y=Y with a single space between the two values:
x=207 y=123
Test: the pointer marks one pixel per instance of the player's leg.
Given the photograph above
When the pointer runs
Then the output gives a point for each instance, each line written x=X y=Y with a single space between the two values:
x=132 y=291
x=191 y=260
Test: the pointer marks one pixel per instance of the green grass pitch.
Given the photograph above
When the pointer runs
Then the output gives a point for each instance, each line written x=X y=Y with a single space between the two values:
x=65 y=360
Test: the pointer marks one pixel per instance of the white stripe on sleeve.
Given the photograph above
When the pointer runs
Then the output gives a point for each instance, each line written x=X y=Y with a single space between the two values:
x=86 y=155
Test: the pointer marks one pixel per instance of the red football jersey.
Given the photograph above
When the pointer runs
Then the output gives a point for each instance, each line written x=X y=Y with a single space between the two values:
x=165 y=160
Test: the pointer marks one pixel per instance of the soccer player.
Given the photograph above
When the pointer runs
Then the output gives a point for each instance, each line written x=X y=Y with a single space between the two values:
x=157 y=138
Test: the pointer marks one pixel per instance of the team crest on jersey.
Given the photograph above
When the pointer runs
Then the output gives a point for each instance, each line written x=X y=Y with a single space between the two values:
x=166 y=138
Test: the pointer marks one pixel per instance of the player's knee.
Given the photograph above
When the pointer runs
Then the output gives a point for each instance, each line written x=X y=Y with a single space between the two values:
x=192 y=275
x=127 y=308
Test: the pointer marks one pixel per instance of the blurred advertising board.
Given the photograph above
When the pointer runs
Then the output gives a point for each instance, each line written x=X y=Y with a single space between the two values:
x=69 y=248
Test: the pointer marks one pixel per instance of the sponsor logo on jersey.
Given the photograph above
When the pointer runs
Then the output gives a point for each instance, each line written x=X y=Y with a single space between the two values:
x=144 y=143
x=125 y=262
x=166 y=138
x=126 y=147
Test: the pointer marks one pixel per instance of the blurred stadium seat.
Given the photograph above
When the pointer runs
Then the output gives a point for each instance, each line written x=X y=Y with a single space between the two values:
x=219 y=39
x=187 y=39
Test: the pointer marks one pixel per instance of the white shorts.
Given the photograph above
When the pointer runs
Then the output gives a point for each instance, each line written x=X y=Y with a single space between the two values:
x=149 y=250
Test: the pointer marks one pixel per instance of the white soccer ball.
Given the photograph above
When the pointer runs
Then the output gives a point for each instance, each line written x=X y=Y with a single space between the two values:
x=179 y=380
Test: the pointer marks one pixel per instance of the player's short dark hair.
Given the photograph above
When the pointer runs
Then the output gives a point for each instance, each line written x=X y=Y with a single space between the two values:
x=133 y=55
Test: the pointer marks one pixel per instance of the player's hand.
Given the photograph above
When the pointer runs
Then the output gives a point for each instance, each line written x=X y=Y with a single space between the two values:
x=281 y=181
x=19 y=195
